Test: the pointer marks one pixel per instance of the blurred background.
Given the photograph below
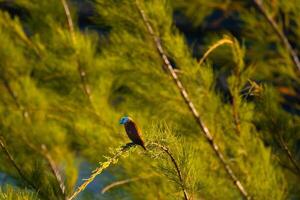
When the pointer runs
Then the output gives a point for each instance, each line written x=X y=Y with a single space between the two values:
x=70 y=69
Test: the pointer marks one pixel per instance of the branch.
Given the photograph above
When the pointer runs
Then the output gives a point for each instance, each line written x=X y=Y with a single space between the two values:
x=81 y=71
x=173 y=160
x=279 y=33
x=291 y=169
x=15 y=99
x=54 y=170
x=286 y=149
x=69 y=19
x=235 y=93
x=190 y=104
x=230 y=42
x=100 y=169
x=236 y=116
x=45 y=154
x=213 y=47
x=289 y=153
x=15 y=165
x=122 y=182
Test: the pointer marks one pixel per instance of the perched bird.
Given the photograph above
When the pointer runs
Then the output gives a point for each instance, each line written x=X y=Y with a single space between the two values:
x=132 y=131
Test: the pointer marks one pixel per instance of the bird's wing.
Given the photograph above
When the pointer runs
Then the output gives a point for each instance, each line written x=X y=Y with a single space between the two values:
x=138 y=130
x=133 y=132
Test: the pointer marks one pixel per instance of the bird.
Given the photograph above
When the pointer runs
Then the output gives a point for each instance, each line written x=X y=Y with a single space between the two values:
x=132 y=130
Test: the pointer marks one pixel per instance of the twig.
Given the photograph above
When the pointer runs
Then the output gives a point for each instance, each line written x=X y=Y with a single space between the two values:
x=100 y=169
x=69 y=19
x=213 y=47
x=81 y=71
x=54 y=170
x=236 y=116
x=228 y=41
x=15 y=165
x=235 y=95
x=190 y=104
x=45 y=154
x=286 y=149
x=26 y=117
x=168 y=152
x=15 y=99
x=122 y=182
x=279 y=33
x=288 y=152
x=291 y=169
x=117 y=183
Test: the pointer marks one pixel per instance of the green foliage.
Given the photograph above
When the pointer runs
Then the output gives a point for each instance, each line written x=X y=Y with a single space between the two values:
x=63 y=92
x=10 y=193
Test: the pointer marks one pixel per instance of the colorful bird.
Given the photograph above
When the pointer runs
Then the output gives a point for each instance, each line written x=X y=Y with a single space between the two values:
x=132 y=131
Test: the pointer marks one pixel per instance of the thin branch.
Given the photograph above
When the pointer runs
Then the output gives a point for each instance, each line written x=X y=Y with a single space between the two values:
x=235 y=113
x=230 y=42
x=81 y=71
x=289 y=153
x=235 y=97
x=26 y=117
x=15 y=99
x=291 y=169
x=53 y=167
x=118 y=183
x=69 y=19
x=54 y=170
x=122 y=182
x=293 y=54
x=286 y=149
x=190 y=105
x=15 y=165
x=100 y=169
x=213 y=47
x=168 y=152
x=236 y=116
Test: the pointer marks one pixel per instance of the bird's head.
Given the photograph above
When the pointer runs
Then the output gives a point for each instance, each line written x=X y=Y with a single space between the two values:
x=124 y=120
